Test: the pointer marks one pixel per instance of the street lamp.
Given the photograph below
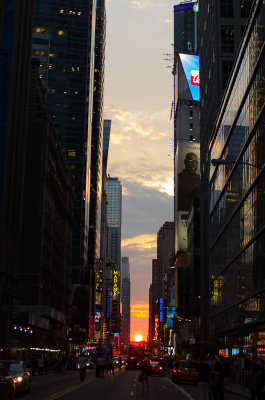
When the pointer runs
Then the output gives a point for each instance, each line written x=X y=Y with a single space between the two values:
x=220 y=161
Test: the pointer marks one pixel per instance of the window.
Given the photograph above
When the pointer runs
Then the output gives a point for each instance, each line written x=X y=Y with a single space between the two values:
x=226 y=8
x=227 y=38
x=226 y=70
x=245 y=7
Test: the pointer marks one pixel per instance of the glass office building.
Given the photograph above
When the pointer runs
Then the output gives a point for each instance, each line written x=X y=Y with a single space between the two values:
x=64 y=40
x=114 y=198
x=237 y=198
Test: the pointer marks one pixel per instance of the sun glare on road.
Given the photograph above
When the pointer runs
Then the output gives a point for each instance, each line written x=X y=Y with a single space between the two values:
x=138 y=338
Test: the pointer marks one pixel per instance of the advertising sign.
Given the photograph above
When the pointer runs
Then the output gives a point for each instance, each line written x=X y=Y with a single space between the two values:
x=188 y=186
x=171 y=313
x=115 y=283
x=190 y=64
x=161 y=309
x=188 y=174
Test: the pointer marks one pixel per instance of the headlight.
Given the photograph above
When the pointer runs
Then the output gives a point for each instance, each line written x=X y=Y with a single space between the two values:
x=18 y=379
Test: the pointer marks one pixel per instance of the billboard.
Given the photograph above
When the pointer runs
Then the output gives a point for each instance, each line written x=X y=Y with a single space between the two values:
x=188 y=181
x=190 y=86
x=188 y=187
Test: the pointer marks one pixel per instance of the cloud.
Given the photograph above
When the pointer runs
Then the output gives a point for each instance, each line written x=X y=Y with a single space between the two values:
x=140 y=242
x=139 y=142
x=140 y=310
x=146 y=4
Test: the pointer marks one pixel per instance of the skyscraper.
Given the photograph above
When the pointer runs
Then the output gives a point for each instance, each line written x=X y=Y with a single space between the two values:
x=16 y=20
x=64 y=39
x=114 y=208
x=221 y=29
x=185 y=27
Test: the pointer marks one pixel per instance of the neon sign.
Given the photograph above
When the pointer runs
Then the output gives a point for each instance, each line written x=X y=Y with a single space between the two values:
x=108 y=303
x=115 y=283
x=161 y=309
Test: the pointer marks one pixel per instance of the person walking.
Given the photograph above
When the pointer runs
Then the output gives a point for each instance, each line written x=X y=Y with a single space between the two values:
x=217 y=377
x=203 y=379
x=144 y=377
x=100 y=366
x=255 y=383
x=81 y=360
x=41 y=365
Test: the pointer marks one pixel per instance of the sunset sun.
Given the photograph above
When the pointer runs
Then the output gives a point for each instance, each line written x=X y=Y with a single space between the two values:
x=138 y=337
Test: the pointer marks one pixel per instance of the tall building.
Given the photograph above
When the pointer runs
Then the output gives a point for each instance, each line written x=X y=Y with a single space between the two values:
x=186 y=144
x=114 y=214
x=125 y=268
x=221 y=29
x=102 y=282
x=64 y=39
x=126 y=300
x=96 y=156
x=236 y=205
x=160 y=267
x=16 y=21
x=185 y=27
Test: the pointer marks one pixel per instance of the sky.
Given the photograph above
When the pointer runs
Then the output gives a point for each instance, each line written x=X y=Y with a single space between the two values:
x=138 y=97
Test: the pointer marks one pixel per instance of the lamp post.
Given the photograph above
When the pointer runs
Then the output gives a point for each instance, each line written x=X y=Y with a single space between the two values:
x=216 y=162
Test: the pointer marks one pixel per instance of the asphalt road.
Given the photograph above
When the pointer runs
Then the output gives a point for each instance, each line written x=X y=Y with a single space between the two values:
x=123 y=385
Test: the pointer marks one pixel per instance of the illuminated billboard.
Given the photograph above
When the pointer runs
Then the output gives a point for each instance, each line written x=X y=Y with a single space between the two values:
x=188 y=187
x=191 y=69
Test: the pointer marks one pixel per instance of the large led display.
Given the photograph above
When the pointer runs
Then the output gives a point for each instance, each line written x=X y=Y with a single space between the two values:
x=191 y=69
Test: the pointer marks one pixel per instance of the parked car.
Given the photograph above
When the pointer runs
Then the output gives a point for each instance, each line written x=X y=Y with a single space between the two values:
x=156 y=368
x=20 y=374
x=7 y=384
x=185 y=371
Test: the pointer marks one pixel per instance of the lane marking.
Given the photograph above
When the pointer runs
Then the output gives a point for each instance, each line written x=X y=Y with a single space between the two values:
x=68 y=390
x=181 y=390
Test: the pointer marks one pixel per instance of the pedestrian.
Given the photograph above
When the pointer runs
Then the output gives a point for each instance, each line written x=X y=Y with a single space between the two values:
x=255 y=383
x=110 y=364
x=217 y=377
x=144 y=377
x=41 y=365
x=100 y=366
x=203 y=379
x=81 y=360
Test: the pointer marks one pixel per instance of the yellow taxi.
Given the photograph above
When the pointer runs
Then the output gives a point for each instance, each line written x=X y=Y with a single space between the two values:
x=185 y=371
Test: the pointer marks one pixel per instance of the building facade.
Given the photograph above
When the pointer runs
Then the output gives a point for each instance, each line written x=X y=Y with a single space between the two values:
x=64 y=39
x=236 y=207
x=114 y=216
x=126 y=300
x=221 y=28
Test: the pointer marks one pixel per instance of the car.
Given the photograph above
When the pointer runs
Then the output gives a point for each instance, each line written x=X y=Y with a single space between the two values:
x=20 y=374
x=156 y=368
x=132 y=363
x=185 y=371
x=7 y=384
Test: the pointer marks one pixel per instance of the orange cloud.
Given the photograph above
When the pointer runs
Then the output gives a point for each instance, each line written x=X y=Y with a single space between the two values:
x=139 y=320
x=140 y=310
x=141 y=242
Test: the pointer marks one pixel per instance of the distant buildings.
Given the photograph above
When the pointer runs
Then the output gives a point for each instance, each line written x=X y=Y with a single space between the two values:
x=126 y=300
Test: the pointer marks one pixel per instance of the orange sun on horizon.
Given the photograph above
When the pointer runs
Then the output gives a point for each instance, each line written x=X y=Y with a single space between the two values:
x=138 y=337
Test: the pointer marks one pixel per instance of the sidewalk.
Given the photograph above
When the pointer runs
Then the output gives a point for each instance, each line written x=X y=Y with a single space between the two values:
x=238 y=389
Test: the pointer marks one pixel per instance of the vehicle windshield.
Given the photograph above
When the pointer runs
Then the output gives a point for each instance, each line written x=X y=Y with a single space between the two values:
x=14 y=367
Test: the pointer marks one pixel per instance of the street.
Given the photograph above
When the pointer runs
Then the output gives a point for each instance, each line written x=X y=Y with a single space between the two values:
x=122 y=385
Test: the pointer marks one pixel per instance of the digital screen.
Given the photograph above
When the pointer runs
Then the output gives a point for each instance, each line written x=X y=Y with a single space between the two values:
x=191 y=67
